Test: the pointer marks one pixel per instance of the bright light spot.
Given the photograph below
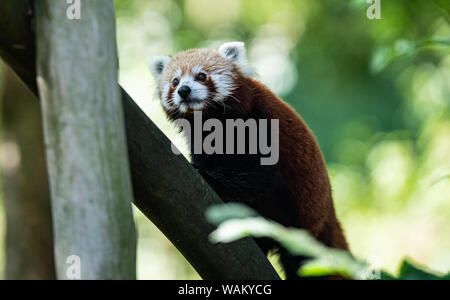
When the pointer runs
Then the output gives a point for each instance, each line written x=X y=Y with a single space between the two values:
x=391 y=165
x=206 y=13
x=10 y=157
x=270 y=57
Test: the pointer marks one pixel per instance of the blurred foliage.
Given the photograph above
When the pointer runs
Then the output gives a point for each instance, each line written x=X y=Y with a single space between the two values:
x=376 y=93
x=237 y=221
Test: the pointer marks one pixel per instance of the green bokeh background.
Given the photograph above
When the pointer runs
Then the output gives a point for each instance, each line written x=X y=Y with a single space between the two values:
x=376 y=93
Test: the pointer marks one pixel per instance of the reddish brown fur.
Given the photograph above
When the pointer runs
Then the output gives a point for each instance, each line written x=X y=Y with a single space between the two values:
x=301 y=161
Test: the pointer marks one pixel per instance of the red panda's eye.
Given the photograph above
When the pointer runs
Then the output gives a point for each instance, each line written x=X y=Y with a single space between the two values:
x=175 y=82
x=201 y=77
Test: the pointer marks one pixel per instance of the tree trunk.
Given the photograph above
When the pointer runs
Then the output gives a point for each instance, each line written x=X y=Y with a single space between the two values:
x=166 y=188
x=86 y=147
x=29 y=240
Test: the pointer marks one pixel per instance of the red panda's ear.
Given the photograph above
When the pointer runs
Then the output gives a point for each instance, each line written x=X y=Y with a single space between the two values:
x=157 y=65
x=235 y=51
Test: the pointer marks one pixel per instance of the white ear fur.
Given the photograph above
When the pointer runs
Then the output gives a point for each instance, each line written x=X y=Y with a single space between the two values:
x=235 y=51
x=157 y=65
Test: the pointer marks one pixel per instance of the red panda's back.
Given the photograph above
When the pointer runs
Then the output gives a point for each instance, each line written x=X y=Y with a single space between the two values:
x=303 y=168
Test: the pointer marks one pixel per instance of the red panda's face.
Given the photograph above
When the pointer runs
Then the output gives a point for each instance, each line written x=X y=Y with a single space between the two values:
x=193 y=87
x=197 y=79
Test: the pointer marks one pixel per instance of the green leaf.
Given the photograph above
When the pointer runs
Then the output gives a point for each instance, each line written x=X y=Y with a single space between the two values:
x=238 y=221
x=410 y=272
x=327 y=261
x=338 y=264
x=232 y=230
x=383 y=56
x=387 y=276
x=218 y=214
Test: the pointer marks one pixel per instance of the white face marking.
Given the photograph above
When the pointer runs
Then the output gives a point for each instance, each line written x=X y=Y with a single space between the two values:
x=196 y=70
x=224 y=84
x=200 y=94
x=177 y=73
x=164 y=95
x=198 y=90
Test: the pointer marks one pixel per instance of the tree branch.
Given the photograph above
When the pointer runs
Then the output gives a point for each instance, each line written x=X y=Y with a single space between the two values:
x=166 y=188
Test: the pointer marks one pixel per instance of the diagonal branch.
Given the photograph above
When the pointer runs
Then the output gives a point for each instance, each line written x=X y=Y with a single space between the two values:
x=166 y=188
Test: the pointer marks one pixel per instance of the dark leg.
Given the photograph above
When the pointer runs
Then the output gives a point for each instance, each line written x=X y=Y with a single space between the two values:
x=265 y=244
x=291 y=264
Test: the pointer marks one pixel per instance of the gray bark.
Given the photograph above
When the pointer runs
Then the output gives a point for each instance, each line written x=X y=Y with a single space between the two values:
x=166 y=188
x=85 y=138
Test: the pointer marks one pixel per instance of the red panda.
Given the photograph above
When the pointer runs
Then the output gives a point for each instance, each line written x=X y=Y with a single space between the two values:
x=295 y=191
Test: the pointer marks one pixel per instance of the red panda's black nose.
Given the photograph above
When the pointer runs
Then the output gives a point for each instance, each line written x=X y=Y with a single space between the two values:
x=184 y=91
